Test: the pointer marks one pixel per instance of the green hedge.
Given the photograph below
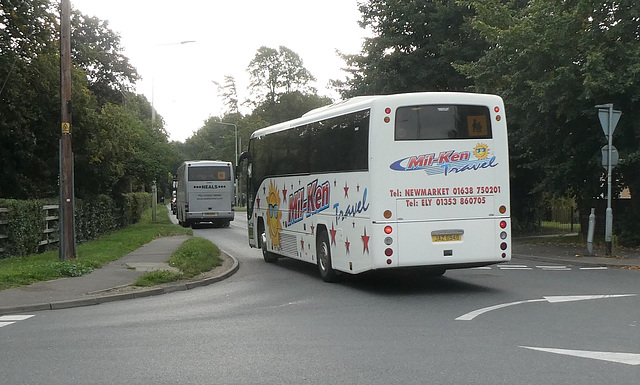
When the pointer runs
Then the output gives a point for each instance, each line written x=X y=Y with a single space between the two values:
x=132 y=206
x=94 y=217
x=24 y=227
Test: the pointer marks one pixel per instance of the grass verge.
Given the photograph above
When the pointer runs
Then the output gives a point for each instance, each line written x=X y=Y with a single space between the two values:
x=22 y=271
x=195 y=256
x=154 y=278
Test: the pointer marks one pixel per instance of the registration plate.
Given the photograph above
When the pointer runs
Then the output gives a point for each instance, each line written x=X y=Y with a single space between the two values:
x=209 y=214
x=450 y=237
x=446 y=237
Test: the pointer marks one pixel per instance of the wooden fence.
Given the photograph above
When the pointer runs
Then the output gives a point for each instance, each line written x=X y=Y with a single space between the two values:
x=49 y=231
x=3 y=228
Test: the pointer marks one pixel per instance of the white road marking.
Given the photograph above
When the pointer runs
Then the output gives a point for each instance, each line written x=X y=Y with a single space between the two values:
x=552 y=268
x=475 y=313
x=570 y=298
x=595 y=268
x=7 y=320
x=550 y=299
x=15 y=317
x=2 y=323
x=621 y=358
x=514 y=267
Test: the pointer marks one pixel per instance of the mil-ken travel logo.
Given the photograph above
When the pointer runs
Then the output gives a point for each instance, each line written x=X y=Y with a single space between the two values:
x=448 y=162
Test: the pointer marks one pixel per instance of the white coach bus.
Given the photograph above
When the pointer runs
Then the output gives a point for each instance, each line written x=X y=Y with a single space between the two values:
x=205 y=192
x=377 y=182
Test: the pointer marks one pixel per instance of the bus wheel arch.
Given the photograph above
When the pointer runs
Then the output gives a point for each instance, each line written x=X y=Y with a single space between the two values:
x=323 y=256
x=268 y=256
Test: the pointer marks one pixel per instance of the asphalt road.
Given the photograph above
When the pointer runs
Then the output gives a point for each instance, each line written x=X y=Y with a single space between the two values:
x=526 y=323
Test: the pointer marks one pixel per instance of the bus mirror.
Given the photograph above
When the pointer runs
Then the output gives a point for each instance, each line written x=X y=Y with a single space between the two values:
x=243 y=156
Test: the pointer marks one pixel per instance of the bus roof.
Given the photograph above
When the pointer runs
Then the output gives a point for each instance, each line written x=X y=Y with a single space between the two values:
x=359 y=103
x=197 y=163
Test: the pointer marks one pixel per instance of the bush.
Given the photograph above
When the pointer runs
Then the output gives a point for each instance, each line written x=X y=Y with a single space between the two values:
x=132 y=206
x=24 y=227
x=627 y=229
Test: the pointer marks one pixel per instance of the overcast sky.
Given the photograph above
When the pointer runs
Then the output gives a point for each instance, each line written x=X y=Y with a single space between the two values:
x=227 y=35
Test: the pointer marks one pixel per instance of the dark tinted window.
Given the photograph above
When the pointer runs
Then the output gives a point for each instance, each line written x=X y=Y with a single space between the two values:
x=443 y=121
x=339 y=144
x=208 y=173
x=336 y=144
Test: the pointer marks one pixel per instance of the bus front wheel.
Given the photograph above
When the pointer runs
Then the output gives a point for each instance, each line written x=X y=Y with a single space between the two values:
x=323 y=251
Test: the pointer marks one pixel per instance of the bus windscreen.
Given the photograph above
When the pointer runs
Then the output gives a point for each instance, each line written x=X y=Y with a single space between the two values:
x=208 y=173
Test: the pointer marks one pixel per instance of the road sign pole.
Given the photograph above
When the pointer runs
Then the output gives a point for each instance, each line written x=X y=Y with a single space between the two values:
x=609 y=215
x=608 y=119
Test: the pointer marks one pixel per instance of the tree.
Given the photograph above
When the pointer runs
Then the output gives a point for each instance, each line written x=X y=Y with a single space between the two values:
x=413 y=49
x=229 y=94
x=29 y=109
x=552 y=62
x=115 y=147
x=97 y=50
x=289 y=106
x=274 y=72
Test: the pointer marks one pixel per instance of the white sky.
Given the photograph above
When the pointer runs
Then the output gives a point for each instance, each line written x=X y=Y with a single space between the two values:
x=227 y=35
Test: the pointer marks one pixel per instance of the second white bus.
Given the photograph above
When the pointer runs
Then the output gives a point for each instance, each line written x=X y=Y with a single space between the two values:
x=378 y=182
x=205 y=193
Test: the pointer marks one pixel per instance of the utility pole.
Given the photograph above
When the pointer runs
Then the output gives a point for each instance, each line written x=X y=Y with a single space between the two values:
x=67 y=228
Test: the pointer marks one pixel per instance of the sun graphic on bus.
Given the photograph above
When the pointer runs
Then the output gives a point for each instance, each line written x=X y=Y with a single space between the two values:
x=481 y=151
x=273 y=215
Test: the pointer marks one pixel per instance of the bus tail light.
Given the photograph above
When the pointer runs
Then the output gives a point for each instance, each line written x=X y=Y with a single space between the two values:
x=387 y=111
x=502 y=209
x=186 y=207
x=388 y=229
x=503 y=246
x=389 y=261
x=387 y=214
x=503 y=224
x=388 y=252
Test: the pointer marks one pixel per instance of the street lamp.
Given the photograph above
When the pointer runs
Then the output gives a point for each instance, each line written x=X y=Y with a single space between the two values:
x=235 y=164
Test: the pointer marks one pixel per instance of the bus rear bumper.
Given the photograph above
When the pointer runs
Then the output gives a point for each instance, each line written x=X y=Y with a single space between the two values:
x=210 y=216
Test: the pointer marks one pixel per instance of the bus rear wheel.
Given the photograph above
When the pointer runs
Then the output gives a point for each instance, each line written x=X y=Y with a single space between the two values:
x=323 y=252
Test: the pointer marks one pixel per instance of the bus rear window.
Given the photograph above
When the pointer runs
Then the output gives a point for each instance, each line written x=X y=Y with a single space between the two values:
x=209 y=173
x=442 y=121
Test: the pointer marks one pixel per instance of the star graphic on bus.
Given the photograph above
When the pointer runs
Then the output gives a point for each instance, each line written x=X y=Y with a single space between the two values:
x=333 y=234
x=346 y=190
x=365 y=241
x=347 y=244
